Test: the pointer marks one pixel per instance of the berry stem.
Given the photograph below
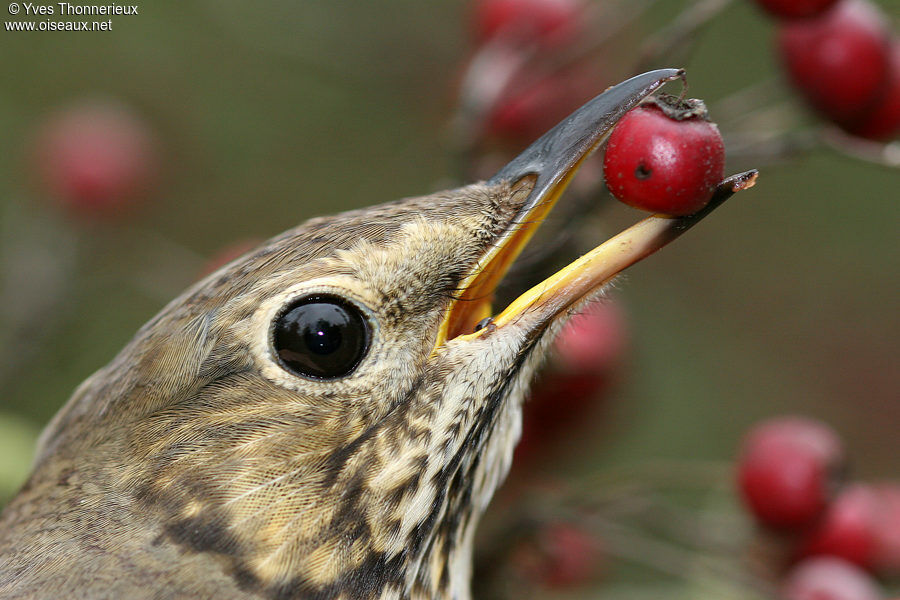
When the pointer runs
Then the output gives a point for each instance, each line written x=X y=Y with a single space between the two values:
x=39 y=261
x=766 y=148
x=883 y=154
x=772 y=148
x=606 y=25
x=734 y=107
x=661 y=473
x=701 y=530
x=676 y=41
x=670 y=559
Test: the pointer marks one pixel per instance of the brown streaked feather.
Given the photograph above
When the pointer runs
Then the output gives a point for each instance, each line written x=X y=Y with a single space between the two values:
x=192 y=462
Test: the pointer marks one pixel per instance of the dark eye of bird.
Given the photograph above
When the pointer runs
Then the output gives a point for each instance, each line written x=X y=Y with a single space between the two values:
x=321 y=337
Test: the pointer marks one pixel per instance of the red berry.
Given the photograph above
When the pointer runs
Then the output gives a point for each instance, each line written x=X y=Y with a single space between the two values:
x=887 y=551
x=795 y=9
x=592 y=340
x=785 y=470
x=849 y=528
x=828 y=578
x=96 y=157
x=548 y=22
x=661 y=163
x=559 y=403
x=839 y=60
x=560 y=556
x=528 y=109
x=883 y=121
x=586 y=352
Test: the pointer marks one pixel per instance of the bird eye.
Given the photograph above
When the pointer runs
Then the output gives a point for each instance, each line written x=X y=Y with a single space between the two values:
x=321 y=337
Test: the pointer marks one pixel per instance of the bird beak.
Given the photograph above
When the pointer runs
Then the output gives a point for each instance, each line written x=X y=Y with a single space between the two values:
x=548 y=165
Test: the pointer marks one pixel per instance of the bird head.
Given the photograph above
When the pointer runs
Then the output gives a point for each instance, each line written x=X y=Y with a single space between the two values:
x=323 y=417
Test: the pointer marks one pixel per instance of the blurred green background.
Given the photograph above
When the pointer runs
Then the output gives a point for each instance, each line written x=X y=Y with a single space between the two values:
x=271 y=112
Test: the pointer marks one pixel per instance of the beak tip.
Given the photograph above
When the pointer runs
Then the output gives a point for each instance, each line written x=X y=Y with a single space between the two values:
x=559 y=151
x=741 y=181
x=726 y=188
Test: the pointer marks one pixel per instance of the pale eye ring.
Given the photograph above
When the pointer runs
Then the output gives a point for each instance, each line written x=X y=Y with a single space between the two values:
x=320 y=337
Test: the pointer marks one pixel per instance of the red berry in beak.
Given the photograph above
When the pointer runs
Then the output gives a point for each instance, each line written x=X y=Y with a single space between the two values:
x=665 y=157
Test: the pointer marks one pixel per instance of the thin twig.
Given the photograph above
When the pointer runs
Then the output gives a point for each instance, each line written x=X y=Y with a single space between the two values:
x=737 y=105
x=884 y=154
x=675 y=41
x=676 y=561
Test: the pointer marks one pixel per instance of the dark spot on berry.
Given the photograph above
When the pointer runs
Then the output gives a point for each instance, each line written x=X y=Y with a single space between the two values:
x=680 y=184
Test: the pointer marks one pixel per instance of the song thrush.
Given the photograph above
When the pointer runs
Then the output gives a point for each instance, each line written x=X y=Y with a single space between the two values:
x=321 y=418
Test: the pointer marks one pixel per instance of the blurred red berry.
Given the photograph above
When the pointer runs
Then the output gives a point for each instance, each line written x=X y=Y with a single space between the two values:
x=664 y=157
x=559 y=403
x=849 y=528
x=795 y=9
x=226 y=254
x=827 y=578
x=529 y=108
x=560 y=556
x=786 y=469
x=548 y=22
x=839 y=60
x=586 y=352
x=592 y=340
x=883 y=121
x=887 y=551
x=96 y=157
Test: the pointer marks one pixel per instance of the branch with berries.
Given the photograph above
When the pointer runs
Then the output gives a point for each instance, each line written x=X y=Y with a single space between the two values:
x=804 y=533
